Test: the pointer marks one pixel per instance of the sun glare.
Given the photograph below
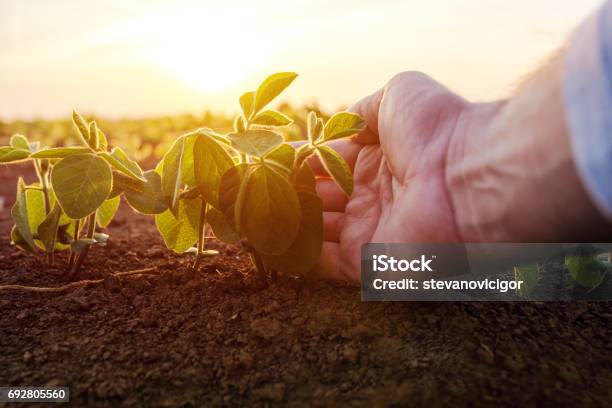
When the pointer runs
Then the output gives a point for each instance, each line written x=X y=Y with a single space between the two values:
x=208 y=57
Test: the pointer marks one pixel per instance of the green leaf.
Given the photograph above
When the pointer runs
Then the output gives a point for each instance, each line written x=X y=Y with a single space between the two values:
x=304 y=151
x=305 y=180
x=171 y=173
x=82 y=128
x=318 y=130
x=121 y=156
x=121 y=183
x=122 y=163
x=187 y=164
x=47 y=230
x=246 y=103
x=107 y=211
x=19 y=213
x=311 y=127
x=93 y=139
x=239 y=125
x=258 y=142
x=60 y=152
x=270 y=212
x=586 y=270
x=337 y=168
x=219 y=138
x=35 y=203
x=19 y=242
x=150 y=199
x=181 y=232
x=20 y=142
x=229 y=187
x=102 y=141
x=81 y=183
x=283 y=155
x=529 y=275
x=220 y=226
x=211 y=161
x=159 y=167
x=271 y=118
x=342 y=124
x=303 y=255
x=239 y=202
x=271 y=87
x=11 y=155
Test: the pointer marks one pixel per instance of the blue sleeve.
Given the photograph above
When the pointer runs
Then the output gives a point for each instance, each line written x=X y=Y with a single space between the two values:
x=587 y=97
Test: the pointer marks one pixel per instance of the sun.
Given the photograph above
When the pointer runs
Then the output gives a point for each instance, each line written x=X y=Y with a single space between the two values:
x=205 y=56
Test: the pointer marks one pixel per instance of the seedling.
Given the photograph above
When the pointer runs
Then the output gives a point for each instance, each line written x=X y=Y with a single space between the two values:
x=75 y=187
x=251 y=187
x=587 y=267
x=248 y=186
x=38 y=225
x=269 y=198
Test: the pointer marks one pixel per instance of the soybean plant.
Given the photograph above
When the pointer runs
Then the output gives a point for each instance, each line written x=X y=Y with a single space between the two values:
x=252 y=187
x=75 y=188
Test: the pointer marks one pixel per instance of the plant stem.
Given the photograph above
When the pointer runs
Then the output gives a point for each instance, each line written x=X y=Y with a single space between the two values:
x=201 y=234
x=302 y=157
x=243 y=157
x=91 y=230
x=44 y=181
x=75 y=236
x=261 y=268
x=299 y=160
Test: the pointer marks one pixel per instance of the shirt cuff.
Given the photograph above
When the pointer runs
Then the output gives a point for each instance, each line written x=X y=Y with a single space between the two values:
x=587 y=95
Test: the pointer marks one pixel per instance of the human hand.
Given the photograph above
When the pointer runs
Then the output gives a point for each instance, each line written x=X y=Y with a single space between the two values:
x=433 y=167
x=400 y=191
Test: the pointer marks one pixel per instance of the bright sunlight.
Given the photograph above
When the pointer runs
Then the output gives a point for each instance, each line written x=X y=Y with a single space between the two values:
x=184 y=56
x=209 y=56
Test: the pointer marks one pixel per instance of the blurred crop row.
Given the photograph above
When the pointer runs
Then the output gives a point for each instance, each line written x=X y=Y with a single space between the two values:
x=144 y=139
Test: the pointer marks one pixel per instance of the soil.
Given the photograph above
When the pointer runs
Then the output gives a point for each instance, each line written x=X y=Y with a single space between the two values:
x=212 y=338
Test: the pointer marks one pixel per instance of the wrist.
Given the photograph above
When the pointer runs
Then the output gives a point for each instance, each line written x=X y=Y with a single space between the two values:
x=511 y=174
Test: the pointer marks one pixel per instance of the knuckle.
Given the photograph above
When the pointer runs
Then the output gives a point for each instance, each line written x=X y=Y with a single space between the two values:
x=407 y=77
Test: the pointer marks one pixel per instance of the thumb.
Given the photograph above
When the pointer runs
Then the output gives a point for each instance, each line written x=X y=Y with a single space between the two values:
x=368 y=109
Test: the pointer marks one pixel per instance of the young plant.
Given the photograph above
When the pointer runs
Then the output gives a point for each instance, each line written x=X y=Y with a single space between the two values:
x=39 y=225
x=262 y=193
x=248 y=186
x=77 y=188
x=586 y=266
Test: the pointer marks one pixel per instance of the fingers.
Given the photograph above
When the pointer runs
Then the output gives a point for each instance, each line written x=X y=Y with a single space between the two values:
x=334 y=199
x=332 y=225
x=368 y=109
x=329 y=263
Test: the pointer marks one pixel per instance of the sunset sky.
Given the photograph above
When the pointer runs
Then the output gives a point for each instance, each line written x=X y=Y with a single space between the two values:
x=144 y=57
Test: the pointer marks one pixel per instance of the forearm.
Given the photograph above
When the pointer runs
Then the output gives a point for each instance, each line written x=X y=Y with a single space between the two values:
x=516 y=179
